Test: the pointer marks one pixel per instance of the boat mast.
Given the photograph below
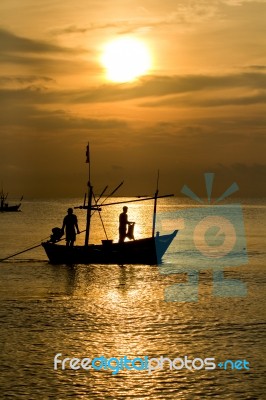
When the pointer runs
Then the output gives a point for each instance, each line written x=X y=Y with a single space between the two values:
x=155 y=206
x=97 y=207
x=88 y=221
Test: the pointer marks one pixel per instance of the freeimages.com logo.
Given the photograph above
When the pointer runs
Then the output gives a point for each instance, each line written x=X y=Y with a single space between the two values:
x=211 y=236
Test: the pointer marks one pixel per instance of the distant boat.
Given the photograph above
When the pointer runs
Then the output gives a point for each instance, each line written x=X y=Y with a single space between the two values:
x=4 y=206
x=147 y=251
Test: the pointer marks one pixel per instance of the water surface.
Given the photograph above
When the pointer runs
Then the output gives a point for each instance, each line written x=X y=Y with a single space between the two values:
x=94 y=310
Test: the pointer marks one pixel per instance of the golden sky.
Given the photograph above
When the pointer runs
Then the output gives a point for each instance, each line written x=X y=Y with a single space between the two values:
x=199 y=108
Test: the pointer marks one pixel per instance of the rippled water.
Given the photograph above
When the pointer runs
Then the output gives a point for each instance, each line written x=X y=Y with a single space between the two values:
x=92 y=311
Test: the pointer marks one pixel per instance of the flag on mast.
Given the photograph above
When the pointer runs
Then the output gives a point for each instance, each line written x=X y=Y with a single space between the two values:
x=88 y=154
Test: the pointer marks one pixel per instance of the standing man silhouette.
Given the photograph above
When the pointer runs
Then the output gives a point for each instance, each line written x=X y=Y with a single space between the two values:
x=123 y=222
x=71 y=224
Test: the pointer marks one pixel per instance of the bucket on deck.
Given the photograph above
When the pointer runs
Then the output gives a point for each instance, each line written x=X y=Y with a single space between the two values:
x=130 y=231
x=107 y=243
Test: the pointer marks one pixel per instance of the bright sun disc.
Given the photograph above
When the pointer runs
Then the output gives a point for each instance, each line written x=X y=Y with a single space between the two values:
x=125 y=59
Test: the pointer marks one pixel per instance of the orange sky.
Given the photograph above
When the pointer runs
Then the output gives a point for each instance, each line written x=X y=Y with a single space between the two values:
x=200 y=108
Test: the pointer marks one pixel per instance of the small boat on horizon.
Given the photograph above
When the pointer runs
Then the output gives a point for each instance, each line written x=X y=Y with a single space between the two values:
x=4 y=206
x=147 y=251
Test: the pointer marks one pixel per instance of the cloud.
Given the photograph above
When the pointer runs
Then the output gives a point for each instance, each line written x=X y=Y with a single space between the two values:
x=182 y=13
x=69 y=29
x=21 y=80
x=52 y=65
x=177 y=14
x=193 y=12
x=33 y=94
x=40 y=57
x=240 y=2
x=161 y=86
x=122 y=27
x=182 y=149
x=161 y=89
x=73 y=29
x=11 y=43
x=209 y=101
x=257 y=67
x=259 y=98
x=44 y=120
x=250 y=177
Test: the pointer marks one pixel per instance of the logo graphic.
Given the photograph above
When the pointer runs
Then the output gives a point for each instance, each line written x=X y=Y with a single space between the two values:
x=211 y=236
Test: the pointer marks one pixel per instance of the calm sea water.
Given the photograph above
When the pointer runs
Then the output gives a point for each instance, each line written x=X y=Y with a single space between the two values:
x=94 y=310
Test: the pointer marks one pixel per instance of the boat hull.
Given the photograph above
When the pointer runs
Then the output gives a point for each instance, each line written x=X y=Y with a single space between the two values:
x=147 y=251
x=10 y=208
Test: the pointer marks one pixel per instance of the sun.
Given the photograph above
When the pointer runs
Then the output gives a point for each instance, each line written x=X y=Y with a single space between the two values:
x=125 y=59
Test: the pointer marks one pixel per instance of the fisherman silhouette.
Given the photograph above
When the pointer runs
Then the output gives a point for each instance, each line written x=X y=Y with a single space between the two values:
x=123 y=222
x=70 y=223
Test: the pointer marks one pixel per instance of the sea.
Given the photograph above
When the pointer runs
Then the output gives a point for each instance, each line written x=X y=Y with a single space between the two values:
x=132 y=331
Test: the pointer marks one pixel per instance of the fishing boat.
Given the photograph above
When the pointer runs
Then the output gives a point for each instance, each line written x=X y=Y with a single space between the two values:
x=148 y=251
x=4 y=206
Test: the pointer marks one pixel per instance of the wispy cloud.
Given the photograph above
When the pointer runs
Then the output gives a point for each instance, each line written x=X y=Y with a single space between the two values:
x=159 y=89
x=161 y=86
x=240 y=2
x=219 y=100
x=42 y=57
x=12 y=43
x=74 y=29
x=257 y=67
x=45 y=120
x=8 y=80
x=182 y=13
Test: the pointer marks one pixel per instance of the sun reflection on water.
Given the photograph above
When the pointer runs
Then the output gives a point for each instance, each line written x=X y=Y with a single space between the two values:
x=95 y=310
